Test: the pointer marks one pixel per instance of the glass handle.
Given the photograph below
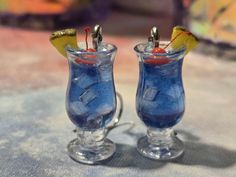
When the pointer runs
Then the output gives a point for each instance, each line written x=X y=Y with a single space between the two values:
x=118 y=116
x=119 y=109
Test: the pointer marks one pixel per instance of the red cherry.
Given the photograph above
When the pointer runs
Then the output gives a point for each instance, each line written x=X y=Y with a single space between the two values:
x=158 y=50
x=91 y=56
x=78 y=60
x=158 y=60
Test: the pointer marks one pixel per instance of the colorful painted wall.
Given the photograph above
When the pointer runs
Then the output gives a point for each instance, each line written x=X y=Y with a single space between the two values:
x=214 y=19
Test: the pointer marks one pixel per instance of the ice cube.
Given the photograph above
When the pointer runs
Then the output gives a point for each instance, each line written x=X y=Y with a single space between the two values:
x=165 y=72
x=85 y=81
x=104 y=110
x=97 y=118
x=78 y=108
x=94 y=122
x=149 y=47
x=105 y=72
x=150 y=93
x=100 y=112
x=167 y=102
x=169 y=71
x=175 y=91
x=87 y=96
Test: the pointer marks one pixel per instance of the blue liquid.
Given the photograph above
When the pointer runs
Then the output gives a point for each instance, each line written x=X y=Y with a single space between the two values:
x=90 y=99
x=160 y=100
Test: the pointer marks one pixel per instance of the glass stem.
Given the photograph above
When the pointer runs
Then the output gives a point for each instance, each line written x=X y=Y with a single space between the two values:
x=91 y=139
x=160 y=137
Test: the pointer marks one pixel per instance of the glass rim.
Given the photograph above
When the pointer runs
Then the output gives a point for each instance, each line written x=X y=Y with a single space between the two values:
x=168 y=53
x=78 y=51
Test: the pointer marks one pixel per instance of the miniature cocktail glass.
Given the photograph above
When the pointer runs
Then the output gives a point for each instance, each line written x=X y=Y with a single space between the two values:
x=160 y=101
x=91 y=102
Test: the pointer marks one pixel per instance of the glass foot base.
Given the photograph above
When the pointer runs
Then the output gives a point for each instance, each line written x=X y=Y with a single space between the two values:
x=90 y=155
x=160 y=150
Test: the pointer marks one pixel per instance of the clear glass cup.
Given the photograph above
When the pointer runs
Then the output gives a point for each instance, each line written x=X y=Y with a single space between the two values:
x=160 y=101
x=91 y=102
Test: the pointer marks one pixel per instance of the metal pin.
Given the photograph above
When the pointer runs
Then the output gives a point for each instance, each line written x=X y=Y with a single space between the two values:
x=150 y=39
x=154 y=36
x=97 y=36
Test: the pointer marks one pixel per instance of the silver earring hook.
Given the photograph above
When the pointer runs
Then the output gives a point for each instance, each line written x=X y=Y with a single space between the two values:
x=97 y=36
x=154 y=36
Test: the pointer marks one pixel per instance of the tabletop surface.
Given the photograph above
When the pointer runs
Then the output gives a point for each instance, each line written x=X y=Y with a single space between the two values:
x=34 y=127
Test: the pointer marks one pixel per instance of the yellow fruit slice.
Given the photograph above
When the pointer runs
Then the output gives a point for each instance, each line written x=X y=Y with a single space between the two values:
x=183 y=38
x=60 y=39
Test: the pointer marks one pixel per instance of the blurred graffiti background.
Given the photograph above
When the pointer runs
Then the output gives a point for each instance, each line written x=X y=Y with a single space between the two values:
x=212 y=20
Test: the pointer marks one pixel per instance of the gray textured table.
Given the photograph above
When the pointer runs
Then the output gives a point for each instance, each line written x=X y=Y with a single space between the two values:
x=34 y=128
